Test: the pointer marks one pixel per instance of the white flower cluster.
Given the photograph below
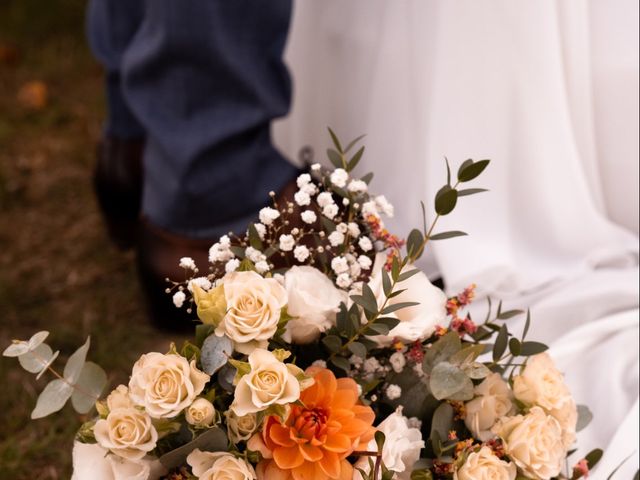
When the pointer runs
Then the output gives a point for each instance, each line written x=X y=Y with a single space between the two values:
x=221 y=250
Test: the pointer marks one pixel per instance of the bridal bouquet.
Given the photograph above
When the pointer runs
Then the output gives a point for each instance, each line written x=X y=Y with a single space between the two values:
x=322 y=353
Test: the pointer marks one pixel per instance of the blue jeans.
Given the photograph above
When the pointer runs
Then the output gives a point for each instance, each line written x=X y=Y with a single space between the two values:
x=201 y=80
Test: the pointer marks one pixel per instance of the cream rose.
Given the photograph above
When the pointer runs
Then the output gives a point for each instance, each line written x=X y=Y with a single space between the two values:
x=201 y=413
x=92 y=461
x=269 y=382
x=165 y=384
x=254 y=304
x=417 y=322
x=313 y=301
x=401 y=448
x=484 y=465
x=119 y=398
x=534 y=443
x=219 y=466
x=493 y=400
x=542 y=384
x=127 y=432
x=240 y=428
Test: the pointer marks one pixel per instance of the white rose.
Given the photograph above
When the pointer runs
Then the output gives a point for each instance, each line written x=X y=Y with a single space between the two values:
x=482 y=465
x=219 y=466
x=313 y=302
x=127 y=432
x=240 y=428
x=201 y=413
x=269 y=382
x=401 y=448
x=92 y=461
x=492 y=402
x=254 y=304
x=417 y=322
x=119 y=398
x=165 y=384
x=542 y=384
x=534 y=443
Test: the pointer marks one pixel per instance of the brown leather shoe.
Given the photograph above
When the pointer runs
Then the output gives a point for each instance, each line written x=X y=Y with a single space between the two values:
x=117 y=181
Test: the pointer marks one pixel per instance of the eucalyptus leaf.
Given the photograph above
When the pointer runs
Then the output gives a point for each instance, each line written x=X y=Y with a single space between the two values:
x=515 y=346
x=415 y=243
x=35 y=360
x=397 y=306
x=215 y=353
x=407 y=274
x=47 y=364
x=446 y=235
x=442 y=350
x=593 y=457
x=225 y=377
x=355 y=159
x=447 y=380
x=212 y=440
x=532 y=348
x=386 y=283
x=53 y=398
x=442 y=422
x=467 y=355
x=334 y=139
x=341 y=363
x=476 y=371
x=584 y=417
x=37 y=339
x=470 y=171
x=367 y=178
x=509 y=314
x=334 y=158
x=76 y=361
x=90 y=385
x=501 y=343
x=353 y=142
x=358 y=349
x=16 y=349
x=377 y=329
x=470 y=191
x=390 y=322
x=254 y=237
x=332 y=342
x=446 y=200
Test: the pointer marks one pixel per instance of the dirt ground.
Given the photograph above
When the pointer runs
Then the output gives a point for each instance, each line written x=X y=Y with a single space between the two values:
x=58 y=271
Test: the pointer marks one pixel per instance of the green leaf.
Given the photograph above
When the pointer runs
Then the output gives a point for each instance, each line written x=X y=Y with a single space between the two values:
x=532 y=348
x=90 y=385
x=355 y=159
x=37 y=339
x=390 y=322
x=398 y=306
x=358 y=349
x=202 y=332
x=332 y=342
x=501 y=343
x=468 y=172
x=527 y=324
x=441 y=423
x=215 y=353
x=212 y=440
x=254 y=237
x=405 y=275
x=446 y=200
x=593 y=457
x=52 y=398
x=470 y=191
x=386 y=283
x=447 y=381
x=415 y=242
x=514 y=346
x=442 y=350
x=466 y=355
x=448 y=171
x=509 y=314
x=445 y=235
x=367 y=178
x=353 y=142
x=335 y=140
x=76 y=361
x=341 y=363
x=335 y=158
x=584 y=417
x=377 y=329
x=35 y=360
x=19 y=347
x=476 y=371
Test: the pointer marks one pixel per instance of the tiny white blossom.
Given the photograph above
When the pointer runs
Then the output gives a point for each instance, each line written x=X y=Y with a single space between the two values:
x=339 y=177
x=308 y=216
x=310 y=189
x=178 y=299
x=393 y=392
x=365 y=244
x=339 y=265
x=364 y=262
x=414 y=422
x=324 y=199
x=330 y=211
x=303 y=179
x=336 y=238
x=384 y=206
x=261 y=229
x=374 y=398
x=370 y=209
x=187 y=262
x=203 y=282
x=397 y=361
x=342 y=227
x=418 y=369
x=278 y=277
x=316 y=166
x=268 y=215
x=287 y=242
x=345 y=202
x=232 y=265
x=319 y=363
x=355 y=269
x=359 y=390
x=343 y=280
x=225 y=241
x=262 y=266
x=219 y=253
x=301 y=253
x=353 y=229
x=371 y=365
x=355 y=360
x=254 y=255
x=357 y=186
x=302 y=198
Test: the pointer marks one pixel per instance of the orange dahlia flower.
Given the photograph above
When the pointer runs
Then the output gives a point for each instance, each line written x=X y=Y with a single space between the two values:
x=314 y=440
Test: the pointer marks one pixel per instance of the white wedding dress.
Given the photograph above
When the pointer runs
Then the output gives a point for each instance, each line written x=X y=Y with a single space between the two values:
x=549 y=91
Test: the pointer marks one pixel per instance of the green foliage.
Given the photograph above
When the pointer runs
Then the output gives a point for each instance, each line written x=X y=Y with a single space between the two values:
x=212 y=440
x=216 y=351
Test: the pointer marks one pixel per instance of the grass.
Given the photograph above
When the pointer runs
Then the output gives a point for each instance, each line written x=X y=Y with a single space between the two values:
x=58 y=271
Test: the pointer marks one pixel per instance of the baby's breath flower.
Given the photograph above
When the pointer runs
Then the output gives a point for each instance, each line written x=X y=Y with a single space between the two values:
x=268 y=215
x=262 y=266
x=339 y=177
x=254 y=255
x=393 y=392
x=364 y=262
x=319 y=363
x=261 y=229
x=357 y=186
x=302 y=198
x=365 y=244
x=232 y=265
x=219 y=252
x=303 y=179
x=339 y=265
x=397 y=361
x=336 y=238
x=370 y=209
x=316 y=166
x=346 y=202
x=310 y=189
x=308 y=216
x=287 y=242
x=342 y=227
x=178 y=299
x=355 y=269
x=384 y=206
x=371 y=365
x=225 y=241
x=343 y=280
x=301 y=253
x=414 y=422
x=203 y=282
x=187 y=262
x=353 y=229
x=324 y=199
x=330 y=210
